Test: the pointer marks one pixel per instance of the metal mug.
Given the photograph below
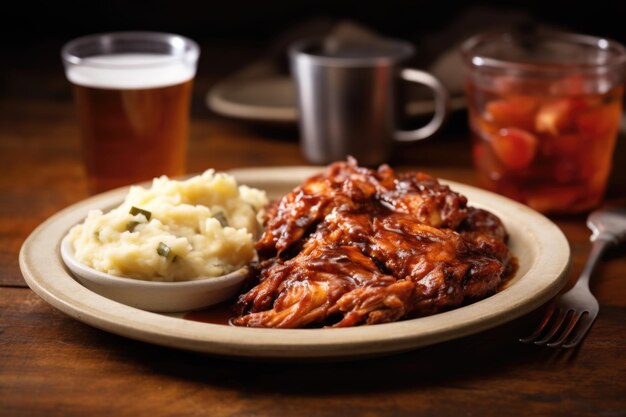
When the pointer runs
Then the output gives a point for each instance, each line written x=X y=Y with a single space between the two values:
x=347 y=98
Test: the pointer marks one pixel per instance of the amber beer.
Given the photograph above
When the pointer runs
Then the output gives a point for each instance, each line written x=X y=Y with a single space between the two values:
x=133 y=111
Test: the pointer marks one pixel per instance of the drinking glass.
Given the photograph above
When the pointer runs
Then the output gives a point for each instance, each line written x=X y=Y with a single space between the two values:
x=132 y=92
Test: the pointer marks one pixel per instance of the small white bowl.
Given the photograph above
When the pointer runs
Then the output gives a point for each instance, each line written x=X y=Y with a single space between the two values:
x=159 y=297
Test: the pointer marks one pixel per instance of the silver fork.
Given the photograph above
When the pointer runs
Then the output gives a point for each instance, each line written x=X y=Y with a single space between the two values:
x=570 y=315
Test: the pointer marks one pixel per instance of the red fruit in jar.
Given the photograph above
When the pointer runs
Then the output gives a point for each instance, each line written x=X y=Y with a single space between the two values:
x=516 y=148
x=485 y=160
x=478 y=151
x=568 y=145
x=566 y=170
x=600 y=121
x=554 y=117
x=515 y=111
x=482 y=127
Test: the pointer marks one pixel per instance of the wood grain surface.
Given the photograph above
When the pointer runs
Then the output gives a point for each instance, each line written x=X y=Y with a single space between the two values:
x=52 y=365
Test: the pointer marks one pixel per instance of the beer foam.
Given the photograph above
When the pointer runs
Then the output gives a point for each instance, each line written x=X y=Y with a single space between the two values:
x=130 y=71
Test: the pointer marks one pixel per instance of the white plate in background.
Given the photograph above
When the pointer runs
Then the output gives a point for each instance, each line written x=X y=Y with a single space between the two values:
x=272 y=98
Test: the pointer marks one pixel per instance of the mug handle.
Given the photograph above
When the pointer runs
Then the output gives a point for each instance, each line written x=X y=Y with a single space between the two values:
x=441 y=106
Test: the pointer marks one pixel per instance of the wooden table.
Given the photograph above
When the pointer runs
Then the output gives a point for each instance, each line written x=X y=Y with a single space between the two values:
x=52 y=365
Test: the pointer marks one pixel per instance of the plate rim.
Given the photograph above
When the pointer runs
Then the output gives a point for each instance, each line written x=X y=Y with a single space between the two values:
x=52 y=281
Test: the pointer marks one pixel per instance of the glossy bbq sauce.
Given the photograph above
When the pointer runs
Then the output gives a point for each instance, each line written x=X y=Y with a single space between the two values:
x=222 y=313
x=509 y=274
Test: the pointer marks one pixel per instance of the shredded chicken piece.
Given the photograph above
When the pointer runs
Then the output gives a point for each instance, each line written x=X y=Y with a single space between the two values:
x=357 y=246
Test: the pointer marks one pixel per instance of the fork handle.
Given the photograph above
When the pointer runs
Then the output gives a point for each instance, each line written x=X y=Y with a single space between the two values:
x=598 y=246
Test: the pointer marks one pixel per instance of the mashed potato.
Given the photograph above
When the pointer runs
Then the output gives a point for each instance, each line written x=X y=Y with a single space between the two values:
x=175 y=230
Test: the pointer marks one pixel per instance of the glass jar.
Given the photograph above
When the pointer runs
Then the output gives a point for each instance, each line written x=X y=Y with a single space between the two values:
x=544 y=112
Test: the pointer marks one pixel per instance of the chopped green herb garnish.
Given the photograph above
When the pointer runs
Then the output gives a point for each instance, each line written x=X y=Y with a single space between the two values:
x=131 y=226
x=220 y=217
x=136 y=210
x=164 y=250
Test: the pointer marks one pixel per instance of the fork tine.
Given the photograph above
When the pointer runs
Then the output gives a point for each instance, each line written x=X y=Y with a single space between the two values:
x=555 y=328
x=546 y=318
x=570 y=326
x=585 y=324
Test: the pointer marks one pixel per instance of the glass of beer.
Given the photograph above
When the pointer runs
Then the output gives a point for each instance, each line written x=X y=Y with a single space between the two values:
x=544 y=111
x=132 y=92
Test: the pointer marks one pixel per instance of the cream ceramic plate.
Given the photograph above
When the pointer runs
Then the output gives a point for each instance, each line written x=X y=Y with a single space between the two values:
x=540 y=246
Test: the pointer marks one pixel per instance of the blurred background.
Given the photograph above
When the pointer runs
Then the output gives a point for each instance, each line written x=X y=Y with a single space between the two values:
x=234 y=35
x=241 y=31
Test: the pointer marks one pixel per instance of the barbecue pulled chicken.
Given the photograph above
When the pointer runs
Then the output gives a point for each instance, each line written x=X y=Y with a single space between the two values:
x=357 y=246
